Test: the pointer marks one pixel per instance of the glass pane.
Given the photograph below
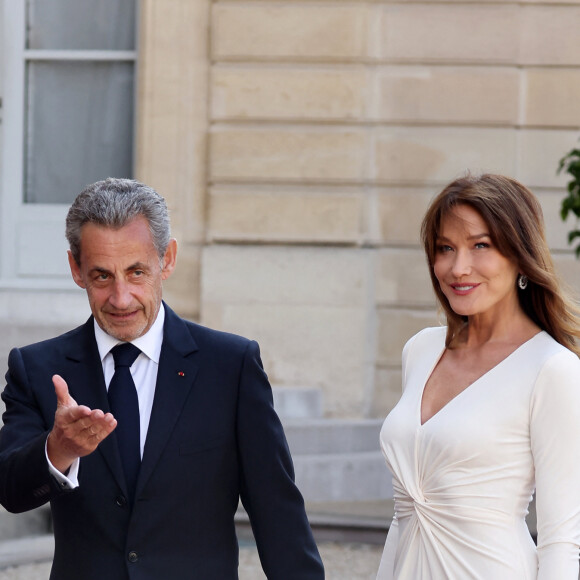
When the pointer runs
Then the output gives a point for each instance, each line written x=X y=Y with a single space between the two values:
x=81 y=24
x=79 y=125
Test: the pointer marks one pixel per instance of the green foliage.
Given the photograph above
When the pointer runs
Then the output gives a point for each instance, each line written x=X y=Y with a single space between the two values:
x=570 y=163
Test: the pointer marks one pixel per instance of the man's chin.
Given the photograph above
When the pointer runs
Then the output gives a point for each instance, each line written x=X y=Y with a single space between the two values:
x=123 y=331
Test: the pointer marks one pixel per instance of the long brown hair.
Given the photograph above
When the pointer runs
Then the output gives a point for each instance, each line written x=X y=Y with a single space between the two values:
x=516 y=226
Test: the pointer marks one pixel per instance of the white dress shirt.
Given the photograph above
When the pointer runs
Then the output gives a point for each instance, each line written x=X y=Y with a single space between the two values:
x=144 y=373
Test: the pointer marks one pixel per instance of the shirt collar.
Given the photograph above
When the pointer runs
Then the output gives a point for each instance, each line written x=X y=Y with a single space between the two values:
x=149 y=343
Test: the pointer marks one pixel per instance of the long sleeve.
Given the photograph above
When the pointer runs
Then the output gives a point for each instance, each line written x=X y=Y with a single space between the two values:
x=555 y=442
x=269 y=494
x=25 y=481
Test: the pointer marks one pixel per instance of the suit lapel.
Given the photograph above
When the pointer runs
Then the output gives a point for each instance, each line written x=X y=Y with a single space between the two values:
x=87 y=387
x=175 y=377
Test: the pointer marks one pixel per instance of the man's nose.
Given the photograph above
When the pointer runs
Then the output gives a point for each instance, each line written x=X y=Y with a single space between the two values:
x=121 y=295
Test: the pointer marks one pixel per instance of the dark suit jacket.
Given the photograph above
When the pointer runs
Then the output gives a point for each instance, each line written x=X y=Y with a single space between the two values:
x=213 y=437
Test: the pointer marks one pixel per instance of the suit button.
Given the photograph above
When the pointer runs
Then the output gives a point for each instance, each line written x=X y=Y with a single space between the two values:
x=121 y=500
x=133 y=557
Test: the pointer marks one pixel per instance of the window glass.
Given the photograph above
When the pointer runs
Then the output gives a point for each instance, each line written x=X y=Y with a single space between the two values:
x=79 y=126
x=81 y=24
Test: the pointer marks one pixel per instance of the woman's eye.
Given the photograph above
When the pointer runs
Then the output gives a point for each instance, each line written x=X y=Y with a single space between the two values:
x=444 y=248
x=482 y=245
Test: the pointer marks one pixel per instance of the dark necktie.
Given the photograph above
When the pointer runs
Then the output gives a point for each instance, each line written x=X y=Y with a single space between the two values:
x=125 y=408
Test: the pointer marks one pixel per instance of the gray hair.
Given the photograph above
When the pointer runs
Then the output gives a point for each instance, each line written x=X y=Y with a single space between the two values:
x=113 y=203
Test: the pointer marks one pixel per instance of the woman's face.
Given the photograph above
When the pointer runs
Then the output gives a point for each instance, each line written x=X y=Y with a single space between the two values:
x=473 y=275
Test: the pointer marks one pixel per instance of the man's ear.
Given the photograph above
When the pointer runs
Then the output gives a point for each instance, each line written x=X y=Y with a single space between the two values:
x=75 y=270
x=169 y=259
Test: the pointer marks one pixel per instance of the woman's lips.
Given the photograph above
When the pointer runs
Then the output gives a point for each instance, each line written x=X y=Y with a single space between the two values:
x=463 y=288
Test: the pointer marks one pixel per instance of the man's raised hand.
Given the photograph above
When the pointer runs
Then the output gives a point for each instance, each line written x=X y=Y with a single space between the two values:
x=77 y=430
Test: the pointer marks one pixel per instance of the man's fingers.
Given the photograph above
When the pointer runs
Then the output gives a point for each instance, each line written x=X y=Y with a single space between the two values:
x=98 y=425
x=63 y=397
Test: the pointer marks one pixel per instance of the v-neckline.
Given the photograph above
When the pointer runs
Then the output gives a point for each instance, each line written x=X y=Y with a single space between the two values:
x=468 y=387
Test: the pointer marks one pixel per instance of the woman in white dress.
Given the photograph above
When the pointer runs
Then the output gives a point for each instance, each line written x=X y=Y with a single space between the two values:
x=490 y=409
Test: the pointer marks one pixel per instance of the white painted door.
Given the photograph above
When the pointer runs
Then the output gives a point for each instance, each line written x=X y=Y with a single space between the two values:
x=67 y=81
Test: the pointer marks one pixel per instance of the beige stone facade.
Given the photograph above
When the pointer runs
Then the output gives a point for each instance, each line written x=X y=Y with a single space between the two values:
x=298 y=143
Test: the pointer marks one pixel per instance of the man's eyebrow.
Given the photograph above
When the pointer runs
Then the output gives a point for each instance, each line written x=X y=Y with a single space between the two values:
x=99 y=270
x=136 y=266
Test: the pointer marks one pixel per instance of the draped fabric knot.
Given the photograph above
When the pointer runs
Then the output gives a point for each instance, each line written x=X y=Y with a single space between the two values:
x=409 y=503
x=124 y=405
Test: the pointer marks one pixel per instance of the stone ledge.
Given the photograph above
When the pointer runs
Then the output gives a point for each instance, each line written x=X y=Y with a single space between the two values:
x=27 y=550
x=297 y=402
x=332 y=436
x=32 y=523
x=346 y=477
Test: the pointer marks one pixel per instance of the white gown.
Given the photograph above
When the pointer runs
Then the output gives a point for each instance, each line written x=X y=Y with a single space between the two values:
x=463 y=480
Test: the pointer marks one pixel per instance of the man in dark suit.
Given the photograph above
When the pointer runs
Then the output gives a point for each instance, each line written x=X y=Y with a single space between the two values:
x=203 y=429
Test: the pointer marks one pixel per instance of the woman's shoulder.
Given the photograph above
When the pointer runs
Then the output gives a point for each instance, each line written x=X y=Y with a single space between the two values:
x=557 y=368
x=545 y=348
x=432 y=337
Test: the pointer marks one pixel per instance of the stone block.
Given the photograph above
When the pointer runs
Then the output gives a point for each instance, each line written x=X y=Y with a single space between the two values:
x=332 y=436
x=31 y=523
x=292 y=153
x=568 y=267
x=387 y=391
x=303 y=344
x=556 y=229
x=552 y=96
x=324 y=93
x=293 y=30
x=458 y=33
x=400 y=212
x=437 y=154
x=539 y=151
x=285 y=216
x=345 y=477
x=16 y=554
x=324 y=277
x=403 y=278
x=549 y=35
x=297 y=403
x=396 y=326
x=308 y=308
x=172 y=116
x=182 y=290
x=571 y=2
x=449 y=94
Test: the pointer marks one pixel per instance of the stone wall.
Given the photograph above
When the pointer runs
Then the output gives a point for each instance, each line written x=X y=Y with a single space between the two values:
x=299 y=143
